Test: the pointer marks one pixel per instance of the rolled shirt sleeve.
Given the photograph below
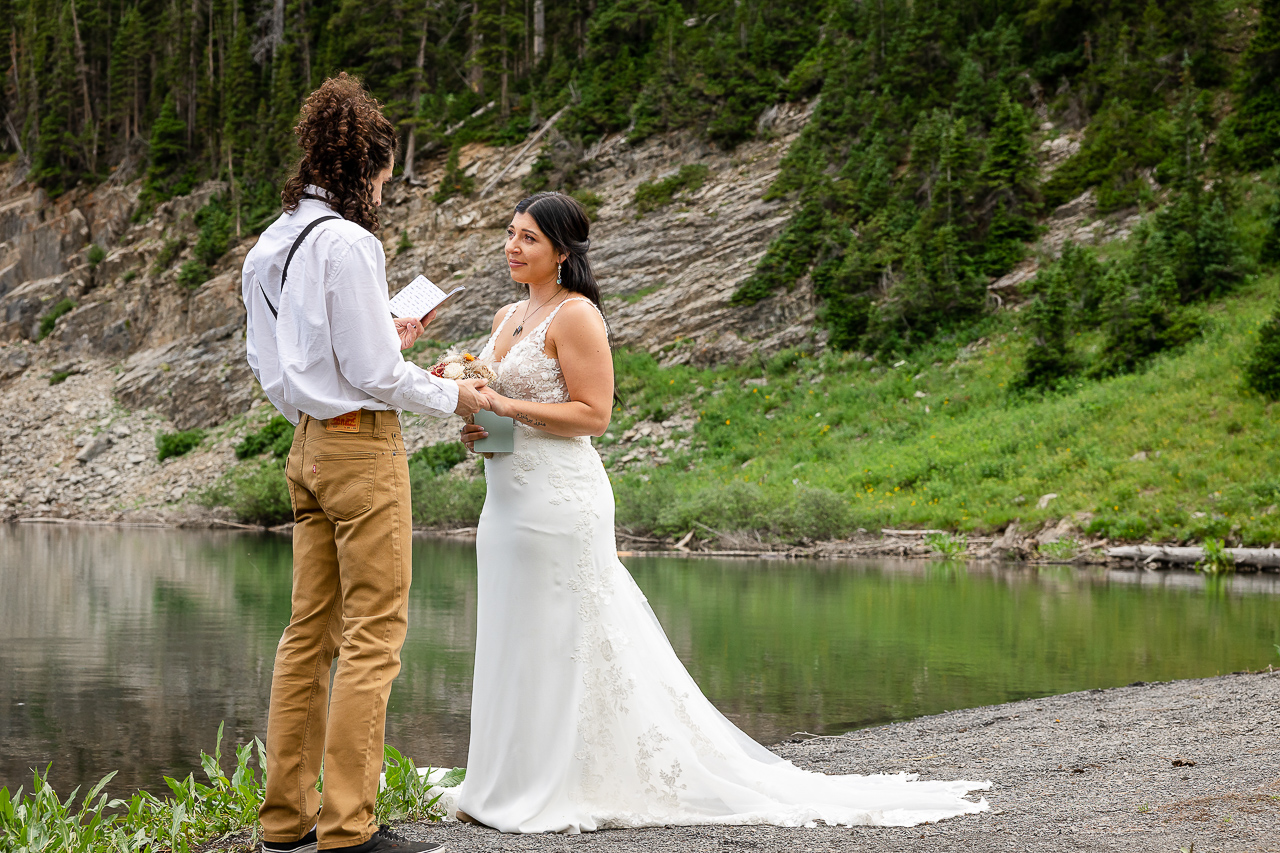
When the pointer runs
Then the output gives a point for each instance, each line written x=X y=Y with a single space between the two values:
x=364 y=337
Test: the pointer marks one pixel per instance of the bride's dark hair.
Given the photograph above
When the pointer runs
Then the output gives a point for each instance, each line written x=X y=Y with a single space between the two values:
x=566 y=225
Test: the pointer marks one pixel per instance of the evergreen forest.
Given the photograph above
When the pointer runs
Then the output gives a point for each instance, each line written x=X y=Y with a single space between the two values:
x=915 y=183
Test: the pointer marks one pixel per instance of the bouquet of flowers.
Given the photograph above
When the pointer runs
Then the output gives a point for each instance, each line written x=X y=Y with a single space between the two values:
x=463 y=365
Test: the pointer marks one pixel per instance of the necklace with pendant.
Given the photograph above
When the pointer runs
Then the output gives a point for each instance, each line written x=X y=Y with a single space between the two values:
x=520 y=328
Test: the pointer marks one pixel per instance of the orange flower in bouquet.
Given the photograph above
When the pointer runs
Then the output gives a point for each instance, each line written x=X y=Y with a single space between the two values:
x=463 y=365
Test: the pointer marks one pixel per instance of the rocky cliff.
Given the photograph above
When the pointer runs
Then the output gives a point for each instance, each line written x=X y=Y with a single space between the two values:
x=102 y=348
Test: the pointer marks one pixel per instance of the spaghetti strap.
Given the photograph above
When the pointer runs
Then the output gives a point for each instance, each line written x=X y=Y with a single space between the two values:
x=552 y=315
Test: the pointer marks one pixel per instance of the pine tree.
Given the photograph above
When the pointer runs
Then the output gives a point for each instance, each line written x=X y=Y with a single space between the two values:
x=1262 y=371
x=1257 y=115
x=1049 y=357
x=167 y=153
x=1008 y=178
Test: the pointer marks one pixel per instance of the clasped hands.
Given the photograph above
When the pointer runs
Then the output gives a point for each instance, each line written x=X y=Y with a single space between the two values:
x=471 y=392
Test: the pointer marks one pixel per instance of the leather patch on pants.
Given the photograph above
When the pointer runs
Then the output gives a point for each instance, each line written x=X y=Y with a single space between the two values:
x=350 y=422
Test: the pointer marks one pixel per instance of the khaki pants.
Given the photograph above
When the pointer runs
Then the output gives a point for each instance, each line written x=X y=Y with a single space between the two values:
x=351 y=574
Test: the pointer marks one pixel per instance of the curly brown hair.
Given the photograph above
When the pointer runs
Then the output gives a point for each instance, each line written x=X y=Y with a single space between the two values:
x=346 y=141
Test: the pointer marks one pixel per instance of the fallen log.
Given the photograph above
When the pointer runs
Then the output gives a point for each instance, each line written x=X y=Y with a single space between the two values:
x=887 y=532
x=1263 y=558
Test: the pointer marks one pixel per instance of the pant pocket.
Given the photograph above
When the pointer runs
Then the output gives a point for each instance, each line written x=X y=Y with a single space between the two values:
x=344 y=485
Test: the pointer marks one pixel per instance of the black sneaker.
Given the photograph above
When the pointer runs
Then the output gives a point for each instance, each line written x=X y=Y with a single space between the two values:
x=387 y=840
x=305 y=844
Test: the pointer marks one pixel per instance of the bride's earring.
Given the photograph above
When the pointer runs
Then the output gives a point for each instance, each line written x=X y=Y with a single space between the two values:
x=557 y=273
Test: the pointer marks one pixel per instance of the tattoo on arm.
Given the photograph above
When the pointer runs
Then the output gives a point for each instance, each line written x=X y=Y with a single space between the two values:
x=531 y=421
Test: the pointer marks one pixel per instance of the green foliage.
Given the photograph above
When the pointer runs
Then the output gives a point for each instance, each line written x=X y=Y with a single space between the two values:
x=193 y=274
x=192 y=814
x=403 y=244
x=1189 y=251
x=255 y=492
x=443 y=500
x=1060 y=550
x=404 y=796
x=167 y=153
x=1217 y=560
x=215 y=221
x=178 y=443
x=439 y=458
x=57 y=377
x=455 y=181
x=651 y=195
x=590 y=202
x=96 y=255
x=275 y=436
x=946 y=545
x=168 y=253
x=1256 y=122
x=1262 y=369
x=50 y=318
x=960 y=457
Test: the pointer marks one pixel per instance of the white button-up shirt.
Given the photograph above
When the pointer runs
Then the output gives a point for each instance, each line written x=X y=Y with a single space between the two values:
x=333 y=348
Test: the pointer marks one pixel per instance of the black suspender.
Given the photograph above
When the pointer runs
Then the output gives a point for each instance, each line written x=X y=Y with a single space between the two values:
x=285 y=273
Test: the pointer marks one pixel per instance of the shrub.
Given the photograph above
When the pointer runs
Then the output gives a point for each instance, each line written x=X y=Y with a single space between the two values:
x=51 y=316
x=96 y=255
x=590 y=202
x=193 y=274
x=255 y=492
x=439 y=458
x=455 y=180
x=178 y=443
x=1262 y=371
x=58 y=377
x=168 y=254
x=651 y=195
x=442 y=500
x=276 y=435
x=403 y=244
x=817 y=514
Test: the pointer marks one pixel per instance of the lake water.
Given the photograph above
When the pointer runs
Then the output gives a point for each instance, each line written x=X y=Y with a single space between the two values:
x=123 y=649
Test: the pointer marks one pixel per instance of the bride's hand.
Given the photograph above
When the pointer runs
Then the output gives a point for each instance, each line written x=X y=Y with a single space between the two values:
x=471 y=433
x=498 y=404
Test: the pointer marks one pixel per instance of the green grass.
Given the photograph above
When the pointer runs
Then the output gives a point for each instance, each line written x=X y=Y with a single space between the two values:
x=978 y=456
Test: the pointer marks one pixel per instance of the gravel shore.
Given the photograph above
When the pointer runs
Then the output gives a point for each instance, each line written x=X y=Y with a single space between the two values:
x=1184 y=765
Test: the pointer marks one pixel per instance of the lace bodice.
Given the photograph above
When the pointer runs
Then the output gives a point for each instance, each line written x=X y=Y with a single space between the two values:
x=526 y=372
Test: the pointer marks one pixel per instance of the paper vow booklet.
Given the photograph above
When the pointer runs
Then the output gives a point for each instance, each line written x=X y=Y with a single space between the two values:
x=502 y=433
x=420 y=298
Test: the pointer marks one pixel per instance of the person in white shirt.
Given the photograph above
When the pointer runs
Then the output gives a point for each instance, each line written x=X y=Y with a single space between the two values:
x=322 y=342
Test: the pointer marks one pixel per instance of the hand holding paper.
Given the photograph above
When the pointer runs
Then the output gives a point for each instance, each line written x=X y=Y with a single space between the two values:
x=419 y=299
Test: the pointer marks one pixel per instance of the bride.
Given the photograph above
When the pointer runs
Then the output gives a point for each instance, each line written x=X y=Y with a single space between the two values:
x=582 y=716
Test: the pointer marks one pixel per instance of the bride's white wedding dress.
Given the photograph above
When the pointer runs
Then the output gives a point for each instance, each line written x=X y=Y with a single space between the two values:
x=582 y=716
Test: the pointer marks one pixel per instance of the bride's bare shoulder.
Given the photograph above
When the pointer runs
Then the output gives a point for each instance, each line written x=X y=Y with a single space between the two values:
x=579 y=315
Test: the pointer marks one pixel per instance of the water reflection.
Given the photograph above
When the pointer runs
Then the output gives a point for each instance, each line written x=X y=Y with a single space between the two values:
x=124 y=649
